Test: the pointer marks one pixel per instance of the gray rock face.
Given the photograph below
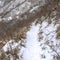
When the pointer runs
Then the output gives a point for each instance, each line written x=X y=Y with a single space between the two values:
x=12 y=7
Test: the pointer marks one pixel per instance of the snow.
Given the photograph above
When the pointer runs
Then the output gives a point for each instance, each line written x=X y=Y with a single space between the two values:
x=49 y=39
x=32 y=49
x=34 y=8
x=24 y=7
x=18 y=13
x=1 y=3
x=9 y=18
x=17 y=17
x=10 y=44
x=41 y=50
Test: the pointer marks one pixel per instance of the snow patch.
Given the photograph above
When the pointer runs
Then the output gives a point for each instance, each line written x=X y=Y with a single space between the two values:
x=11 y=44
x=47 y=48
x=32 y=49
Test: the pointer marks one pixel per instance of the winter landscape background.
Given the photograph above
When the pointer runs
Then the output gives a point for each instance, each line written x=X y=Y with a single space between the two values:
x=29 y=29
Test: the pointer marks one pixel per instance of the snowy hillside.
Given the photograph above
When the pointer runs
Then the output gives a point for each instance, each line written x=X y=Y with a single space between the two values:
x=29 y=30
x=40 y=44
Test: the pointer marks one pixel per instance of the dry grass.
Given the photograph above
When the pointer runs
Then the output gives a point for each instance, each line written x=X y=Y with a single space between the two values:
x=58 y=32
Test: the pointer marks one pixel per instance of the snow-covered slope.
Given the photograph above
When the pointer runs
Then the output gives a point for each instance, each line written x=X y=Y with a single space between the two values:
x=29 y=31
x=32 y=49
x=40 y=43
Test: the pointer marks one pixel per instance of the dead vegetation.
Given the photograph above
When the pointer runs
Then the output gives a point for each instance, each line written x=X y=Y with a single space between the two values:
x=12 y=53
x=58 y=32
x=58 y=57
